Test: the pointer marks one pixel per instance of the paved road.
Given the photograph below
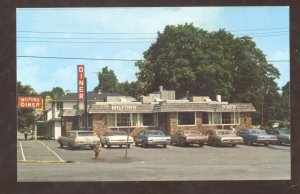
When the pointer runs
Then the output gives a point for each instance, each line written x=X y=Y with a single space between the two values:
x=152 y=164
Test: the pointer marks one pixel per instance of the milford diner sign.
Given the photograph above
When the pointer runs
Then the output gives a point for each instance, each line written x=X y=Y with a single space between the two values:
x=30 y=102
x=81 y=84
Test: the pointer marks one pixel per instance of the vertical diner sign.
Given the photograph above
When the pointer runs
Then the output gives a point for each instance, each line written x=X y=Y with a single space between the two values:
x=80 y=85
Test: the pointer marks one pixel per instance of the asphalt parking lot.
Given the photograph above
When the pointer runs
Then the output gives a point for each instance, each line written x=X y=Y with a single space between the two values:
x=45 y=161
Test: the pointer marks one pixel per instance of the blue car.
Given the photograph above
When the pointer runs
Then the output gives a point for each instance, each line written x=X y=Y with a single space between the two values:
x=152 y=137
x=257 y=136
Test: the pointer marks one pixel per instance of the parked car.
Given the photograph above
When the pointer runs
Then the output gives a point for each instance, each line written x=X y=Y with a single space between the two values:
x=187 y=137
x=118 y=138
x=223 y=137
x=78 y=139
x=257 y=136
x=152 y=137
x=283 y=134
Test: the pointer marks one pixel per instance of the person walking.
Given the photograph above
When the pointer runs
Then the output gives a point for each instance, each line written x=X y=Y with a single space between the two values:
x=25 y=135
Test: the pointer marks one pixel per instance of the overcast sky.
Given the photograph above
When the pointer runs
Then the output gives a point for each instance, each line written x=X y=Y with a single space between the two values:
x=125 y=33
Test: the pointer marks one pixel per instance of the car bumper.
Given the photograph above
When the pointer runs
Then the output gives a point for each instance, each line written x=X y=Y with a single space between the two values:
x=230 y=142
x=158 y=142
x=265 y=141
x=85 y=144
x=121 y=143
x=195 y=141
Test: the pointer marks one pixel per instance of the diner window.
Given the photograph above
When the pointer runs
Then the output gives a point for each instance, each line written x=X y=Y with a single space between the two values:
x=82 y=121
x=135 y=119
x=217 y=118
x=131 y=119
x=148 y=119
x=111 y=120
x=123 y=119
x=186 y=118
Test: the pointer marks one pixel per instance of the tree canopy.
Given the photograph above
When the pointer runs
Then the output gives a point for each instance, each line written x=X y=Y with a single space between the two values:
x=26 y=116
x=108 y=81
x=54 y=93
x=186 y=58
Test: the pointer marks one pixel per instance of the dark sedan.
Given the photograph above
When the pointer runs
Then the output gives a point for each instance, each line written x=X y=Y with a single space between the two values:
x=283 y=134
x=257 y=136
x=152 y=137
x=187 y=137
x=223 y=137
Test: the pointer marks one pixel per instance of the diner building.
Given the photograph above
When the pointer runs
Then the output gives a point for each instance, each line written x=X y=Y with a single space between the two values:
x=158 y=110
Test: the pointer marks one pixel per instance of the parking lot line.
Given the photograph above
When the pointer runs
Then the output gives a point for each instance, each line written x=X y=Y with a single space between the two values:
x=52 y=151
x=23 y=156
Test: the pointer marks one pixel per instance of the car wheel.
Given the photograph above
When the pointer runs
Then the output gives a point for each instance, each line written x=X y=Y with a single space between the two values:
x=266 y=143
x=233 y=145
x=108 y=145
x=70 y=146
x=102 y=145
x=120 y=146
x=61 y=145
x=136 y=144
x=248 y=141
x=144 y=145
x=201 y=144
x=92 y=147
x=279 y=142
x=215 y=143
x=182 y=144
x=165 y=145
x=128 y=145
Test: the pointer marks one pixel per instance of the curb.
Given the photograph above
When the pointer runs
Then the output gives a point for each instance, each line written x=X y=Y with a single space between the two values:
x=45 y=161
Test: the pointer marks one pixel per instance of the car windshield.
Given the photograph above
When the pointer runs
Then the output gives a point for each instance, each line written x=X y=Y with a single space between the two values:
x=114 y=133
x=285 y=131
x=224 y=132
x=86 y=134
x=192 y=132
x=257 y=131
x=155 y=133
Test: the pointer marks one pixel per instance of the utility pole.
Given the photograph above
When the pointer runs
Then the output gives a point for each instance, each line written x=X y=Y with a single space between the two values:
x=128 y=135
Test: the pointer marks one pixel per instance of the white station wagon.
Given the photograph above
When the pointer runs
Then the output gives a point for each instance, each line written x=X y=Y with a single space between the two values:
x=118 y=138
x=79 y=139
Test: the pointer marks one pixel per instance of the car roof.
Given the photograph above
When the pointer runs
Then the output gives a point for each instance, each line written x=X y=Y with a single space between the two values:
x=80 y=131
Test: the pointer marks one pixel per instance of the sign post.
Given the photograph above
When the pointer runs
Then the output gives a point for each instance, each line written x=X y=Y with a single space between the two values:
x=85 y=106
x=128 y=135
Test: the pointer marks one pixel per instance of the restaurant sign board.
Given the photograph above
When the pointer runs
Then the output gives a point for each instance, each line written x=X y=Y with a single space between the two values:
x=30 y=102
x=81 y=84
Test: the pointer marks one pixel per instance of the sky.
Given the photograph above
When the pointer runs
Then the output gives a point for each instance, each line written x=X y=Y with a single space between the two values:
x=126 y=33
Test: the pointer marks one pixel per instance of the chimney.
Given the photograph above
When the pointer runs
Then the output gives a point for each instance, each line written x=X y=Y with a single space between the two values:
x=160 y=91
x=67 y=92
x=218 y=98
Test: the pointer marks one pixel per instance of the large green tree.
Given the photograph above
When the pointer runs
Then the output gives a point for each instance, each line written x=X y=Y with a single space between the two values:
x=186 y=58
x=108 y=81
x=26 y=116
x=54 y=93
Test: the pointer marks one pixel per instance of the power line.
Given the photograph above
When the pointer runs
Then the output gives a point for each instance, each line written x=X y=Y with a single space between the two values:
x=259 y=29
x=108 y=59
x=44 y=32
x=117 y=42
x=80 y=38
x=79 y=42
